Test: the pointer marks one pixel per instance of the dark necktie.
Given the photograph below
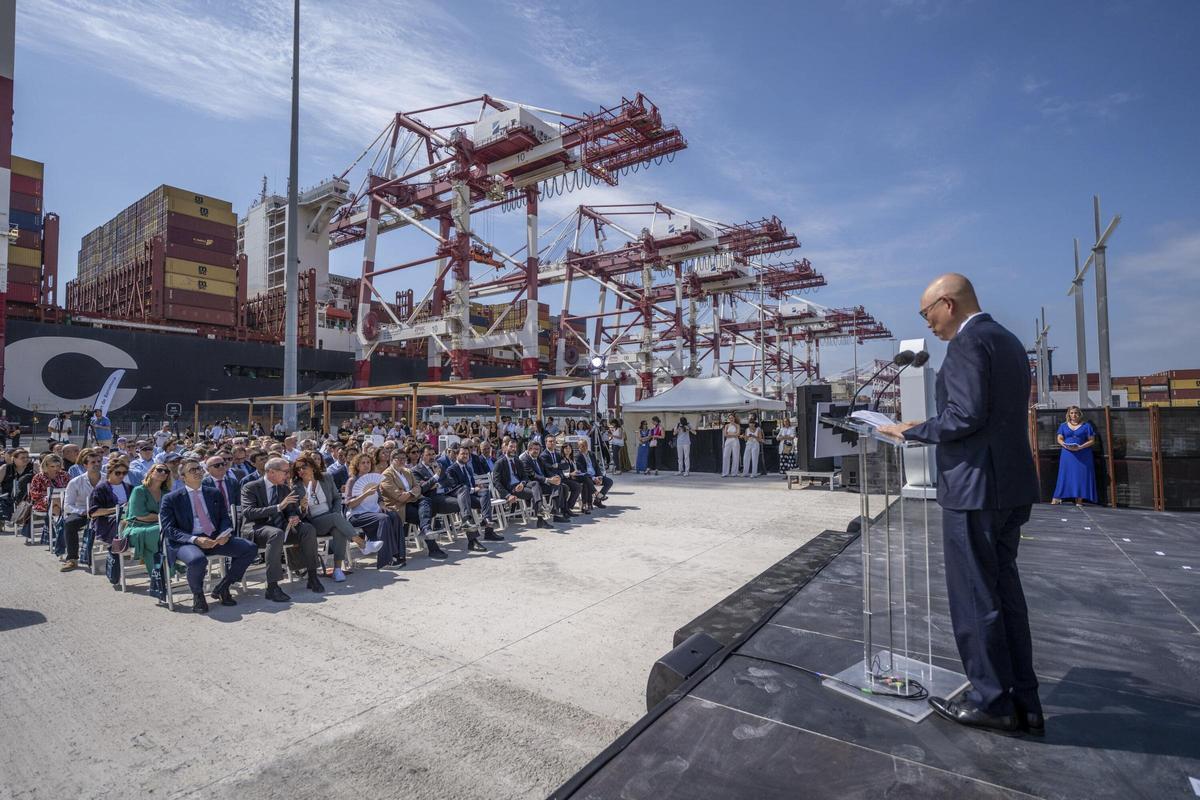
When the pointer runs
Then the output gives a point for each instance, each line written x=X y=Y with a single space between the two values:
x=275 y=495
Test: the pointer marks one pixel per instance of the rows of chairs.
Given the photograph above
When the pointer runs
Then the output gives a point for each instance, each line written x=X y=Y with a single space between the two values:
x=447 y=527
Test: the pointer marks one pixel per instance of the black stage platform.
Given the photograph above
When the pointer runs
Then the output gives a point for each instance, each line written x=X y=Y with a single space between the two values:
x=1115 y=614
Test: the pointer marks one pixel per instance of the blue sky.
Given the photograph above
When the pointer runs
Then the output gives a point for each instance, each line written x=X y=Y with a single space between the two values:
x=897 y=138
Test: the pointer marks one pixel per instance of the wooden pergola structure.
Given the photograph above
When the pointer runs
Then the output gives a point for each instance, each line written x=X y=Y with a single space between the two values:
x=508 y=384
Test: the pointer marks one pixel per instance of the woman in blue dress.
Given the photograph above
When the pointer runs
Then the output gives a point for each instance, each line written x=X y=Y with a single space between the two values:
x=1076 y=468
x=643 y=451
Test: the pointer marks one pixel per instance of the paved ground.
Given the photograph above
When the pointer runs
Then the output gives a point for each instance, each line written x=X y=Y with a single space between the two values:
x=492 y=676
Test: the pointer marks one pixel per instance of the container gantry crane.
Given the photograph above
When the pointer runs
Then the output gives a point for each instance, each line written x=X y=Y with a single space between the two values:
x=667 y=327
x=433 y=168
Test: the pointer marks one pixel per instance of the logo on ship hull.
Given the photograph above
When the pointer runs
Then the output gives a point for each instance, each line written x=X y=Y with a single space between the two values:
x=26 y=362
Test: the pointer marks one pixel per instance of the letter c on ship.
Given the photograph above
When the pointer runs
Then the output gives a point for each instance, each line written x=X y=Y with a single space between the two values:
x=26 y=360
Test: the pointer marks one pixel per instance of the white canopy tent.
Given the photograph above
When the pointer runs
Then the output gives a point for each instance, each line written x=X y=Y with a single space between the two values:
x=704 y=394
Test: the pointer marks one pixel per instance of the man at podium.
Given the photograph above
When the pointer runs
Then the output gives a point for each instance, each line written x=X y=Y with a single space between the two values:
x=986 y=485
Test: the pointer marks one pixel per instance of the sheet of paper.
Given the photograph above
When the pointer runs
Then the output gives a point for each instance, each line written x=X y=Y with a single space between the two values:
x=873 y=418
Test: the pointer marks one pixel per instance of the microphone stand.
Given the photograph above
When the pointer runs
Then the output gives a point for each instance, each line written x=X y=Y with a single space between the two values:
x=902 y=359
x=918 y=360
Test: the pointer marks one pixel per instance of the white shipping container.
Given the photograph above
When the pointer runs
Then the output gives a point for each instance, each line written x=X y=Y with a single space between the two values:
x=500 y=123
x=678 y=225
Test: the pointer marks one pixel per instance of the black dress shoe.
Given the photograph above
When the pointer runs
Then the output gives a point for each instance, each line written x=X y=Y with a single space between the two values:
x=222 y=593
x=490 y=535
x=199 y=604
x=314 y=583
x=473 y=546
x=435 y=550
x=561 y=518
x=277 y=595
x=597 y=504
x=542 y=523
x=1031 y=722
x=965 y=713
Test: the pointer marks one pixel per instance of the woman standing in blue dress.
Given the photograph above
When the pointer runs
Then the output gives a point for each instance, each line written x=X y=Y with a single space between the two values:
x=1076 y=468
x=643 y=451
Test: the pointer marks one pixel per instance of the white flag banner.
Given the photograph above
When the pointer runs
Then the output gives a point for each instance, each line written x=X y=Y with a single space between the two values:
x=108 y=391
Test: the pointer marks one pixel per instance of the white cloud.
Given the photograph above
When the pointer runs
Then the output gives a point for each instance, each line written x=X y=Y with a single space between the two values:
x=1065 y=113
x=360 y=62
x=1150 y=310
x=1032 y=84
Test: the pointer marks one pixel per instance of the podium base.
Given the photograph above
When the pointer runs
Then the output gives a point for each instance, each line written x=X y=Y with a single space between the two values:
x=937 y=681
x=910 y=492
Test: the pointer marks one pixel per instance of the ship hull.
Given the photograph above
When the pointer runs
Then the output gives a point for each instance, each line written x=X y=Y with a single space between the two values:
x=60 y=367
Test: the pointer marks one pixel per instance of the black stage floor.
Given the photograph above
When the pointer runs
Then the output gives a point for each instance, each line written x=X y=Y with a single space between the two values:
x=1114 y=598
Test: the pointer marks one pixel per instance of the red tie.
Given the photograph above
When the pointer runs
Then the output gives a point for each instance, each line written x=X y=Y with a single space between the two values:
x=201 y=513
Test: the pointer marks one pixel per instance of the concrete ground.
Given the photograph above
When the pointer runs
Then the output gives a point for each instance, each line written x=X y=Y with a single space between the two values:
x=488 y=676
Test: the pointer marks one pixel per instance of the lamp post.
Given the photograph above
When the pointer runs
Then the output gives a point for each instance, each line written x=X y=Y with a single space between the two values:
x=597 y=367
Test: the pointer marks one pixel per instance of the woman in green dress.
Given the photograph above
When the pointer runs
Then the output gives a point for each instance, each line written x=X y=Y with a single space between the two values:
x=141 y=515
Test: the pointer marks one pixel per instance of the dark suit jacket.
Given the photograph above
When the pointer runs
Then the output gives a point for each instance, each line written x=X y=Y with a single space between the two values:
x=503 y=478
x=582 y=461
x=555 y=464
x=258 y=509
x=340 y=474
x=457 y=477
x=175 y=515
x=427 y=480
x=232 y=485
x=527 y=472
x=981 y=427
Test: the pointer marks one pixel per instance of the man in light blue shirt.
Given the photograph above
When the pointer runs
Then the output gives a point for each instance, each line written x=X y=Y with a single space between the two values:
x=101 y=428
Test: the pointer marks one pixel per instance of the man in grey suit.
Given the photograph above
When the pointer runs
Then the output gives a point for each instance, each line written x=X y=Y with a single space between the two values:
x=271 y=505
x=987 y=484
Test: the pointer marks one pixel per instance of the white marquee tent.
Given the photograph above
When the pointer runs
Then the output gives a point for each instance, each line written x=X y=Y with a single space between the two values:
x=704 y=394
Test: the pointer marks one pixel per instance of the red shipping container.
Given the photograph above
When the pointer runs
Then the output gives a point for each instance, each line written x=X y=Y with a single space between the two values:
x=1151 y=397
x=25 y=202
x=214 y=302
x=201 y=256
x=1185 y=394
x=1185 y=374
x=201 y=316
x=30 y=239
x=23 y=293
x=26 y=185
x=202 y=241
x=207 y=227
x=18 y=274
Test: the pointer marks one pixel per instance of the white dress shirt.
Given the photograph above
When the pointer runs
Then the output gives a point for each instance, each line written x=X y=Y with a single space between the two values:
x=78 y=492
x=966 y=321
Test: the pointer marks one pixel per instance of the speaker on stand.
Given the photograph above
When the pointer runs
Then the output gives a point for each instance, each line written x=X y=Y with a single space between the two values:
x=807 y=397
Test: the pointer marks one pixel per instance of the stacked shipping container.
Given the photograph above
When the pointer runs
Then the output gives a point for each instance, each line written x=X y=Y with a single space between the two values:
x=1177 y=388
x=25 y=214
x=194 y=264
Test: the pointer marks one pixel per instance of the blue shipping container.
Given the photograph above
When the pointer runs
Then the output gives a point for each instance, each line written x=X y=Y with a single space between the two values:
x=25 y=220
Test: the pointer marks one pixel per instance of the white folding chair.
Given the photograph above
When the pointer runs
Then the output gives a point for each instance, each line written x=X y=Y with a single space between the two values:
x=522 y=507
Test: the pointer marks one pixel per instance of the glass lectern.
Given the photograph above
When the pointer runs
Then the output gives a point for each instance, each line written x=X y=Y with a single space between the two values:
x=897 y=671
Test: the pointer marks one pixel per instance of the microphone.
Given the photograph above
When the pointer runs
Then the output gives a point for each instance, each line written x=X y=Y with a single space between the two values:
x=901 y=359
x=919 y=360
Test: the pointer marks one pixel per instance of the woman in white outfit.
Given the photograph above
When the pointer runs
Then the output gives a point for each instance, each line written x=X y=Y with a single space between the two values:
x=729 y=453
x=683 y=446
x=754 y=438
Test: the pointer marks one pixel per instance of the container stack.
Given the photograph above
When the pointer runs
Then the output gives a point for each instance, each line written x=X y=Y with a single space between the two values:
x=25 y=214
x=198 y=233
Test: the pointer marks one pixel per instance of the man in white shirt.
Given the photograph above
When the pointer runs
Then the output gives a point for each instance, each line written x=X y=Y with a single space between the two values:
x=75 y=507
x=164 y=433
x=60 y=428
x=290 y=451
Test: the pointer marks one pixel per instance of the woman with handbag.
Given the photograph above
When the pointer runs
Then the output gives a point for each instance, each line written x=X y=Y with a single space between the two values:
x=141 y=514
x=15 y=475
x=46 y=489
x=322 y=506
x=108 y=499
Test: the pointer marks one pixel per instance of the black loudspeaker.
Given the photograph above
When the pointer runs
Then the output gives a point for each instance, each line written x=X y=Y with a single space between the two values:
x=807 y=397
x=670 y=671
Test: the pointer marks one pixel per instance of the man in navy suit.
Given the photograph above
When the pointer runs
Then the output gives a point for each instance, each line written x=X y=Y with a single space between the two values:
x=195 y=522
x=459 y=482
x=986 y=486
x=220 y=478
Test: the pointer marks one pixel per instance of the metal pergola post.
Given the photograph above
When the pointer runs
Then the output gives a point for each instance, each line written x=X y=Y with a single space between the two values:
x=1080 y=334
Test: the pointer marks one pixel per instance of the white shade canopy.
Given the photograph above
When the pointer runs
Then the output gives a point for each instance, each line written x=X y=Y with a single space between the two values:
x=705 y=394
